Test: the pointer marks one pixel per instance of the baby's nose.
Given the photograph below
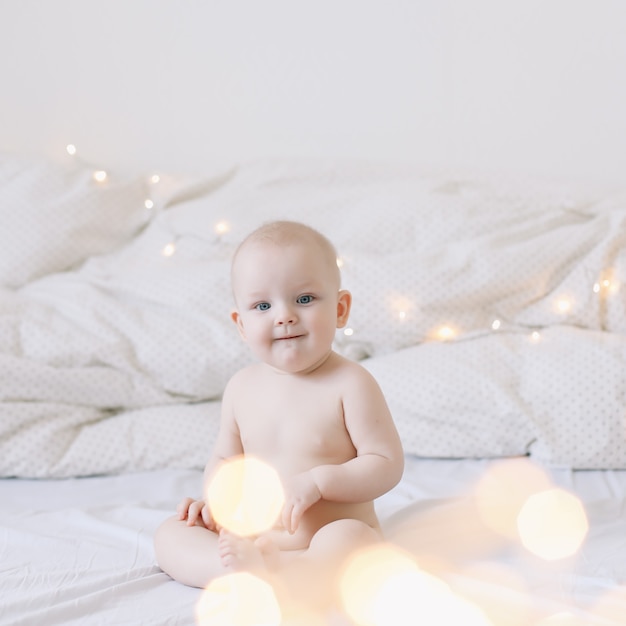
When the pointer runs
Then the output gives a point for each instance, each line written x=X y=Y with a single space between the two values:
x=285 y=316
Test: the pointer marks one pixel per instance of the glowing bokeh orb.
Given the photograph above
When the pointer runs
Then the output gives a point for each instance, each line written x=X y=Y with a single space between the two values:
x=383 y=586
x=445 y=333
x=245 y=496
x=503 y=490
x=552 y=524
x=100 y=176
x=222 y=227
x=169 y=249
x=563 y=305
x=499 y=589
x=563 y=618
x=239 y=599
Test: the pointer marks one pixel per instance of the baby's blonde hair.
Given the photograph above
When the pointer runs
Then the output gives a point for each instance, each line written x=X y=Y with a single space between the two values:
x=286 y=232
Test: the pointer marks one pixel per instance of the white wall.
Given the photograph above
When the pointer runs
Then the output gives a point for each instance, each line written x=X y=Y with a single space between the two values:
x=529 y=86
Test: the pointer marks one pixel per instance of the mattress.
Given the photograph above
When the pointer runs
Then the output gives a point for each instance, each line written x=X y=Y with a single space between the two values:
x=79 y=550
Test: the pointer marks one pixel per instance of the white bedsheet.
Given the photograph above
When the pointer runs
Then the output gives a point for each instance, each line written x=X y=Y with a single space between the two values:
x=79 y=551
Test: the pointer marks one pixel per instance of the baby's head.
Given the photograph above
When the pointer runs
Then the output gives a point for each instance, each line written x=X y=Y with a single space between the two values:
x=286 y=285
x=283 y=233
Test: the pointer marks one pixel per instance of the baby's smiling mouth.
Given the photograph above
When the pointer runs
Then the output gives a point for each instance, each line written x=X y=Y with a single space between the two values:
x=288 y=337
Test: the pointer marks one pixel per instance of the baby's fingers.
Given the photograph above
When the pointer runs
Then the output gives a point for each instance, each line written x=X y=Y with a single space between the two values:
x=286 y=517
x=291 y=516
x=296 y=515
x=195 y=510
x=183 y=507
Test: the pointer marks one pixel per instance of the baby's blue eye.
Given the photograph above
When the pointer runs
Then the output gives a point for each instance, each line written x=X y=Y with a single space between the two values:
x=305 y=299
x=262 y=306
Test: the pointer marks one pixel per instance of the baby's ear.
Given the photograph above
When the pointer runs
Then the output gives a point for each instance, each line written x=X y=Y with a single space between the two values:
x=344 y=302
x=238 y=321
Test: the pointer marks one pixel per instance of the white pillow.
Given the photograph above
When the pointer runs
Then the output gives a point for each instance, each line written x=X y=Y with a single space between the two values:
x=458 y=399
x=573 y=382
x=557 y=395
x=55 y=215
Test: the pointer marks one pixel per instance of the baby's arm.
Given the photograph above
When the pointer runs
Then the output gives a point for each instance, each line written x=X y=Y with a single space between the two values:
x=379 y=460
x=228 y=445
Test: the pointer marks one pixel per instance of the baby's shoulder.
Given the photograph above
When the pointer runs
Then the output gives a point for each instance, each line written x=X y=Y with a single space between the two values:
x=243 y=376
x=350 y=370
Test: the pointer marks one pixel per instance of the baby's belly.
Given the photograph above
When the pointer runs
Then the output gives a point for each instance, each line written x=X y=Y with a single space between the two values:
x=319 y=515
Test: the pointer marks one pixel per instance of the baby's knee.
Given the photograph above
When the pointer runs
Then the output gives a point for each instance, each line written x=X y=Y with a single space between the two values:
x=163 y=536
x=359 y=531
x=348 y=534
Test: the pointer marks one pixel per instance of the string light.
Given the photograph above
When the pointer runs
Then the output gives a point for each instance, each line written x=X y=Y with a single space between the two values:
x=563 y=305
x=606 y=284
x=222 y=227
x=445 y=333
x=169 y=249
x=401 y=306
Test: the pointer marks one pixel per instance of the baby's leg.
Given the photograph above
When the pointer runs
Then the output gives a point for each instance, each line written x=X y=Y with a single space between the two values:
x=246 y=554
x=303 y=580
x=312 y=577
x=189 y=554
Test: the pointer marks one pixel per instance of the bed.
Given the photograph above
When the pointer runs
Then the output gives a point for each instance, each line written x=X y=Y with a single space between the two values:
x=490 y=310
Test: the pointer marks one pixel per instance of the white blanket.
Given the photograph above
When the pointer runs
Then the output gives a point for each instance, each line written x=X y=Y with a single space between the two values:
x=79 y=551
x=494 y=315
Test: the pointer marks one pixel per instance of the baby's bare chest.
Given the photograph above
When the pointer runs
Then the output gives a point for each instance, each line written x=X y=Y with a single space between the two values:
x=294 y=426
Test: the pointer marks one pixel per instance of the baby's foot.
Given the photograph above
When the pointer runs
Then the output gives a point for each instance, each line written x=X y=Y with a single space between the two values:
x=243 y=554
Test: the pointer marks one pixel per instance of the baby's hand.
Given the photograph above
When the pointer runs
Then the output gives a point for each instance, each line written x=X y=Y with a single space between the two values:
x=301 y=493
x=196 y=512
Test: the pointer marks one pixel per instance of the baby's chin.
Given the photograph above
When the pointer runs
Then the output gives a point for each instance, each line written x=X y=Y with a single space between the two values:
x=299 y=365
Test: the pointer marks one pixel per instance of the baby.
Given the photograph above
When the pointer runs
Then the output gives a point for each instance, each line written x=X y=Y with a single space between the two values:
x=318 y=418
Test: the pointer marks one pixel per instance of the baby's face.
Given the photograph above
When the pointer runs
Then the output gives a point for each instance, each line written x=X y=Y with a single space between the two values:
x=288 y=304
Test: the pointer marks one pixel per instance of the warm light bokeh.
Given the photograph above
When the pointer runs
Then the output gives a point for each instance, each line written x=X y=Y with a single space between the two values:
x=100 y=176
x=504 y=489
x=445 y=332
x=401 y=307
x=563 y=305
x=222 y=227
x=383 y=586
x=246 y=496
x=563 y=618
x=499 y=589
x=552 y=524
x=169 y=249
x=238 y=599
